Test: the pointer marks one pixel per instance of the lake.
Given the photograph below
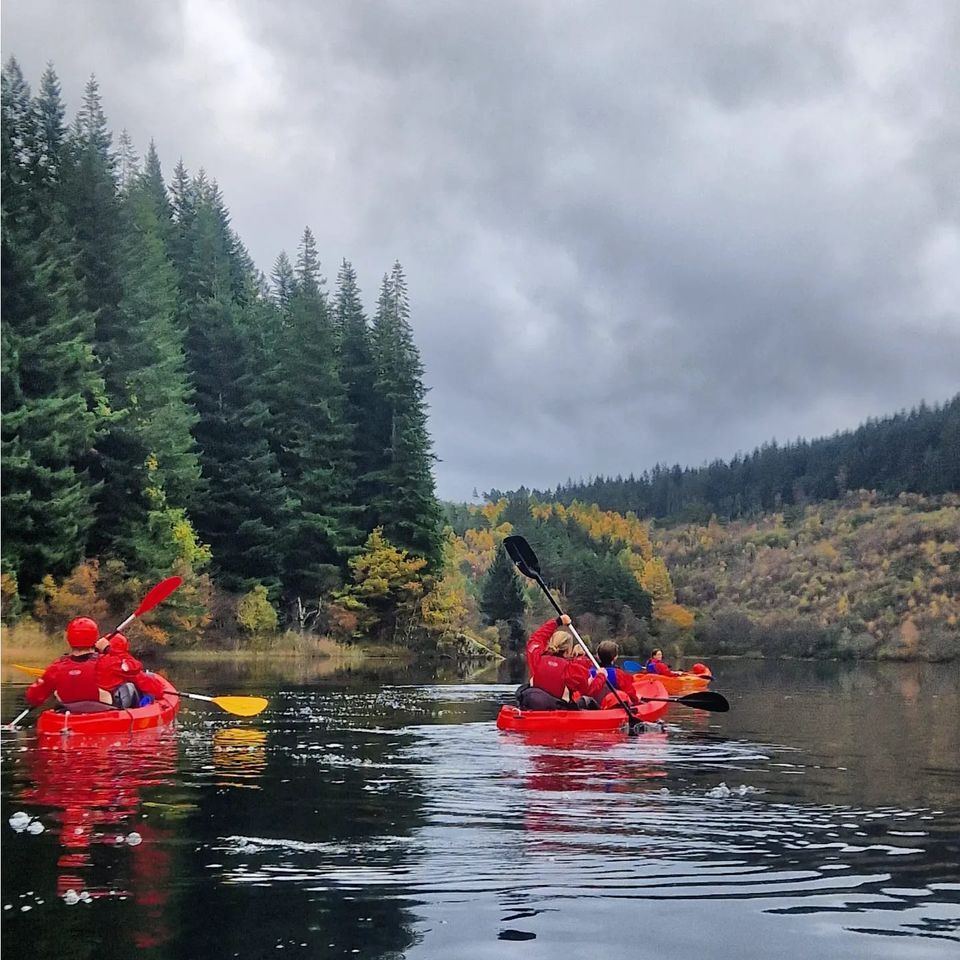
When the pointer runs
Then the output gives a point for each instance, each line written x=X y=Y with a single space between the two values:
x=382 y=815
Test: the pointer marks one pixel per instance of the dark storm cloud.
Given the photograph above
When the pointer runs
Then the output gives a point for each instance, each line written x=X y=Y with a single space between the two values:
x=633 y=232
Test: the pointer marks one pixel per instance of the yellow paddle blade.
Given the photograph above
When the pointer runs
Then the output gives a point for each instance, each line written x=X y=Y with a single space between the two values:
x=241 y=706
x=33 y=671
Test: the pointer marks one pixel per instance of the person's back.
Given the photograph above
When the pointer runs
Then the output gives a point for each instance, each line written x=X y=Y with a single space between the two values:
x=607 y=653
x=554 y=673
x=73 y=678
x=117 y=667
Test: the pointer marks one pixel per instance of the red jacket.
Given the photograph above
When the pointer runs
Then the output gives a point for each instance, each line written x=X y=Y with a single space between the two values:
x=70 y=678
x=554 y=673
x=658 y=666
x=117 y=666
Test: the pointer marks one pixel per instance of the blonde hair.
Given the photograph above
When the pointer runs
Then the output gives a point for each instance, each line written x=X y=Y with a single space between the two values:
x=560 y=642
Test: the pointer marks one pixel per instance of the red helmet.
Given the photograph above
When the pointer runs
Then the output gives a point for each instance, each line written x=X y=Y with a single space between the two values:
x=119 y=644
x=82 y=632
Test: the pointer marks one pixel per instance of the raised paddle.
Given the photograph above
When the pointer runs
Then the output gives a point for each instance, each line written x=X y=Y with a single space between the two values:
x=157 y=595
x=239 y=706
x=521 y=553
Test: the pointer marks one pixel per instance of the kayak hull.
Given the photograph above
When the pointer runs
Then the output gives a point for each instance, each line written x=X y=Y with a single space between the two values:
x=158 y=714
x=583 y=721
x=675 y=686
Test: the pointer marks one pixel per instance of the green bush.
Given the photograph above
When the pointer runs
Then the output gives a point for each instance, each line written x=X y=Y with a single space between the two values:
x=255 y=613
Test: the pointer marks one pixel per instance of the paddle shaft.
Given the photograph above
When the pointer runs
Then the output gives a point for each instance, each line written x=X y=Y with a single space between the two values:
x=13 y=723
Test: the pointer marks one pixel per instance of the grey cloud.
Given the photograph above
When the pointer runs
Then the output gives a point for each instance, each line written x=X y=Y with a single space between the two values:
x=633 y=233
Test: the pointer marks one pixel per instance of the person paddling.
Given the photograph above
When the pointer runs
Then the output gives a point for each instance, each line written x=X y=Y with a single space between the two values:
x=123 y=675
x=607 y=653
x=554 y=672
x=656 y=665
x=73 y=678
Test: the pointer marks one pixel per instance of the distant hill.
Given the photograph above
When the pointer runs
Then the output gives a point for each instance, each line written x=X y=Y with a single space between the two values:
x=864 y=577
x=915 y=452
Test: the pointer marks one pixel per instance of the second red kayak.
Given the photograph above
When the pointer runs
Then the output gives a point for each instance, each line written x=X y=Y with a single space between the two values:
x=158 y=714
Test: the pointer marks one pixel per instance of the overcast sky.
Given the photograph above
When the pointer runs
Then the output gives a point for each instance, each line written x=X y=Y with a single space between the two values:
x=633 y=232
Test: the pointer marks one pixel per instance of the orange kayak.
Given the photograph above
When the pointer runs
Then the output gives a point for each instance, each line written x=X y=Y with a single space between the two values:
x=158 y=714
x=675 y=686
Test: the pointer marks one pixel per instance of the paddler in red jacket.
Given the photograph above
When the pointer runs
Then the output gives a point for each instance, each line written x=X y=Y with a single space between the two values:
x=656 y=665
x=553 y=669
x=118 y=669
x=607 y=653
x=73 y=678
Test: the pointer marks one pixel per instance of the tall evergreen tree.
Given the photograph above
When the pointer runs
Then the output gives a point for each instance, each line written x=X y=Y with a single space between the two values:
x=284 y=281
x=52 y=394
x=402 y=501
x=355 y=352
x=314 y=438
x=242 y=512
x=501 y=595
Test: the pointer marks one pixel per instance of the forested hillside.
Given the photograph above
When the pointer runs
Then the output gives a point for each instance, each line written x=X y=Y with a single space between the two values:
x=601 y=565
x=169 y=409
x=861 y=577
x=915 y=452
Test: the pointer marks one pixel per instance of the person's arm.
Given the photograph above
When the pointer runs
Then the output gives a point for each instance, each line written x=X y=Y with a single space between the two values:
x=537 y=642
x=42 y=687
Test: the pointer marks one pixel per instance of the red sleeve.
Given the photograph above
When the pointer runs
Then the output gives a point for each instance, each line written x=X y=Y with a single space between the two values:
x=626 y=685
x=43 y=686
x=537 y=643
x=578 y=680
x=663 y=669
x=148 y=683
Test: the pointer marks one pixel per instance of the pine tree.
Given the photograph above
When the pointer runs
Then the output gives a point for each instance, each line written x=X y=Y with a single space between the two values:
x=402 y=498
x=52 y=394
x=283 y=280
x=355 y=354
x=313 y=438
x=501 y=595
x=242 y=512
x=128 y=163
x=51 y=397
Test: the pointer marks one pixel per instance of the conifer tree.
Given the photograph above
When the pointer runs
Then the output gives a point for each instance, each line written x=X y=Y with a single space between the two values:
x=313 y=438
x=501 y=595
x=283 y=280
x=401 y=483
x=242 y=511
x=52 y=394
x=355 y=352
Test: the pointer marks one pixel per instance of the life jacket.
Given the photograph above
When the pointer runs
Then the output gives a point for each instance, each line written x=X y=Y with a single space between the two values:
x=550 y=674
x=76 y=679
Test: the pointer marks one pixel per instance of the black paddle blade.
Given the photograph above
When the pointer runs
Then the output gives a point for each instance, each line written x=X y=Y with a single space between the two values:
x=704 y=700
x=521 y=553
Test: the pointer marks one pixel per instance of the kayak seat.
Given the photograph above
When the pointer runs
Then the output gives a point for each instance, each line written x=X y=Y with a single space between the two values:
x=533 y=698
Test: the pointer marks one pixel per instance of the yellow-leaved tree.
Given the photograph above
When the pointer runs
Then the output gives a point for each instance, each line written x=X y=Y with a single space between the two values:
x=386 y=589
x=444 y=608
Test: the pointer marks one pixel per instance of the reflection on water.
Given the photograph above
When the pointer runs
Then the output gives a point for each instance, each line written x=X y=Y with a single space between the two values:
x=385 y=818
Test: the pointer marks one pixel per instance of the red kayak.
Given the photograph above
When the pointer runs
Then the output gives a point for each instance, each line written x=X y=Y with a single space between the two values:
x=513 y=718
x=158 y=714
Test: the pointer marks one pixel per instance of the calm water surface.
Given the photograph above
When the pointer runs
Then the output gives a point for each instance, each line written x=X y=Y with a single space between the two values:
x=385 y=816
